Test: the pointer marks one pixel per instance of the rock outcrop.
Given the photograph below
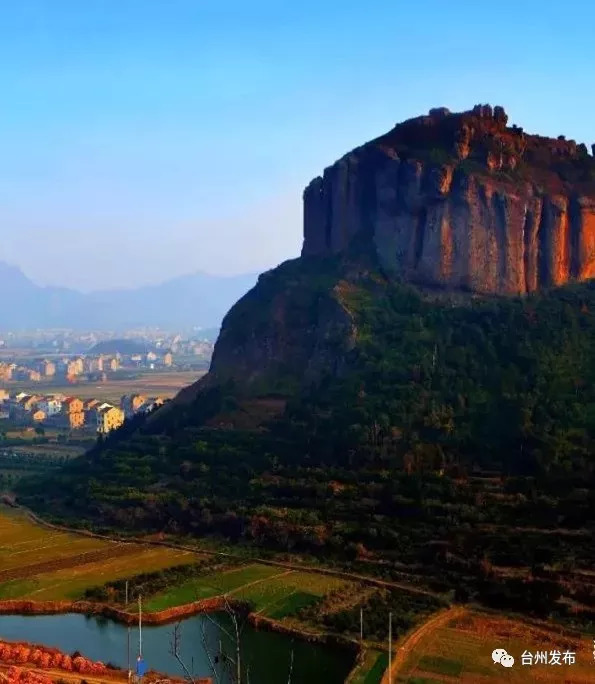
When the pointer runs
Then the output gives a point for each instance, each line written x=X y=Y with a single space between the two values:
x=462 y=201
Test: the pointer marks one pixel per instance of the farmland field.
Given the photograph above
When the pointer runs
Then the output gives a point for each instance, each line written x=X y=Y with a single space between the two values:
x=44 y=564
x=36 y=562
x=288 y=592
x=272 y=591
x=159 y=383
x=461 y=651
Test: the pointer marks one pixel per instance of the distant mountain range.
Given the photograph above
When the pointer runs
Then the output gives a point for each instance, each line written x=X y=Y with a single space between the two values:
x=197 y=299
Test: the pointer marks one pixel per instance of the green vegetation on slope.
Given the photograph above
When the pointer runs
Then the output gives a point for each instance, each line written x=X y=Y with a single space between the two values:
x=453 y=449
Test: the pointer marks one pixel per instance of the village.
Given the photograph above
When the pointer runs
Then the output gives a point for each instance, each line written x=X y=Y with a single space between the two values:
x=71 y=412
x=54 y=402
x=72 y=370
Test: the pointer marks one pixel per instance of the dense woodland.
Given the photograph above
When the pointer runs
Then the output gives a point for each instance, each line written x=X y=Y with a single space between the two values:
x=455 y=451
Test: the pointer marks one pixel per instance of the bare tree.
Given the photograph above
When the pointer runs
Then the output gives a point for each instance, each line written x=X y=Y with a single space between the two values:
x=232 y=662
x=234 y=637
x=174 y=649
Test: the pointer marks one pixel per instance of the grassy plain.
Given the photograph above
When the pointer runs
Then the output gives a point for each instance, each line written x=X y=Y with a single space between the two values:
x=460 y=651
x=43 y=564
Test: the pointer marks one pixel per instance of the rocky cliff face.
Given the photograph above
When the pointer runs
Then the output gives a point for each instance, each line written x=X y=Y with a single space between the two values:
x=462 y=201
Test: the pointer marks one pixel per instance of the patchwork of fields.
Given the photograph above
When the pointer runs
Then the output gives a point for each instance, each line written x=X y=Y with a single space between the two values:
x=273 y=592
x=42 y=564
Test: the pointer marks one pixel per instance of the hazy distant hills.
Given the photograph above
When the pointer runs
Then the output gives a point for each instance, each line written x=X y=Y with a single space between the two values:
x=192 y=300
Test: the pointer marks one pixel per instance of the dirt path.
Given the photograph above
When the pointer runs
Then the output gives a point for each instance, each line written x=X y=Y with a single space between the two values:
x=412 y=639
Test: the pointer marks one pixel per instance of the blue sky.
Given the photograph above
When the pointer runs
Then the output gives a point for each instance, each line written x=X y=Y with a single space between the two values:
x=142 y=139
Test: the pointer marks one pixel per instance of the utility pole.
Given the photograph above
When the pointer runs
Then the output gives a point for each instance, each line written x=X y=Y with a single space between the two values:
x=128 y=636
x=140 y=628
x=361 y=626
x=390 y=648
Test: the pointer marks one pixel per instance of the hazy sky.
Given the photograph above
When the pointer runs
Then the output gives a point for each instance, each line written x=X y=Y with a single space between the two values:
x=141 y=139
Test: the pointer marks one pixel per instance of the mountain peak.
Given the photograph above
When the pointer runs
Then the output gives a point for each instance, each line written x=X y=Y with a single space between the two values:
x=462 y=201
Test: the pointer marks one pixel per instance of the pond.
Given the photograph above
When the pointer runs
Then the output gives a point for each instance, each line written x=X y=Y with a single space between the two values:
x=267 y=655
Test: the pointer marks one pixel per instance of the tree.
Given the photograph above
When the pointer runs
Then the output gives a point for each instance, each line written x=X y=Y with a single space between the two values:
x=225 y=661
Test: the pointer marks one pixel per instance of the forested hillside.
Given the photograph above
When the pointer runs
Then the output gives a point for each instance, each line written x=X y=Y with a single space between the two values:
x=454 y=448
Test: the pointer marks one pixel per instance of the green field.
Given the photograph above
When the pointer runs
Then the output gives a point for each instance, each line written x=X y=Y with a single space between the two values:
x=271 y=591
x=43 y=564
x=212 y=584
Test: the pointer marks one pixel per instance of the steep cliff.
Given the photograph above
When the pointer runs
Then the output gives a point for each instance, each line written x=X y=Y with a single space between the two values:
x=462 y=201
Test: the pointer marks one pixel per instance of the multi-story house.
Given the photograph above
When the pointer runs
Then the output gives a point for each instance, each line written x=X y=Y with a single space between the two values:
x=73 y=412
x=168 y=359
x=51 y=406
x=73 y=405
x=73 y=368
x=47 y=368
x=109 y=418
x=90 y=410
x=131 y=403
